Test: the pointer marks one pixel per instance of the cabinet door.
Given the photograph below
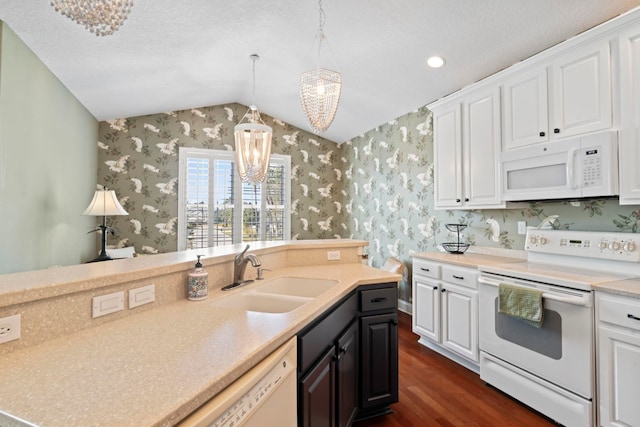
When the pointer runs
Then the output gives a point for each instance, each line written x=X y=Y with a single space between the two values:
x=619 y=377
x=525 y=113
x=426 y=308
x=460 y=320
x=481 y=145
x=447 y=151
x=347 y=387
x=629 y=132
x=379 y=358
x=318 y=393
x=581 y=91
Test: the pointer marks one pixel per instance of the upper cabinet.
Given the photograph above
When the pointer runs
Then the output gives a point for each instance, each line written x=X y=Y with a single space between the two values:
x=466 y=152
x=567 y=96
x=629 y=132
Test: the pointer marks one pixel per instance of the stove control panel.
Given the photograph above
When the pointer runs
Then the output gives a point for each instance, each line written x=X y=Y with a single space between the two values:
x=591 y=244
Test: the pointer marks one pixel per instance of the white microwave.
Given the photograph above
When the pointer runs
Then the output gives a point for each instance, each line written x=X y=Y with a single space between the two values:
x=585 y=166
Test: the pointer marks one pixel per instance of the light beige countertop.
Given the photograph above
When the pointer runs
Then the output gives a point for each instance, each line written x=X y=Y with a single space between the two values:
x=625 y=287
x=468 y=259
x=629 y=287
x=155 y=367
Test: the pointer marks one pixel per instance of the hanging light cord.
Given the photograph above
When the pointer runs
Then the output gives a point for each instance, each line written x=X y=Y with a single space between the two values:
x=254 y=58
x=321 y=20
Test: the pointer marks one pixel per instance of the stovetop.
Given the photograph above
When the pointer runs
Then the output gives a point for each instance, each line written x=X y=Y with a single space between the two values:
x=575 y=259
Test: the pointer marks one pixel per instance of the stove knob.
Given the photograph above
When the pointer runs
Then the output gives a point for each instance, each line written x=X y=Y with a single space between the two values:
x=543 y=240
x=602 y=245
x=533 y=240
x=614 y=246
x=629 y=246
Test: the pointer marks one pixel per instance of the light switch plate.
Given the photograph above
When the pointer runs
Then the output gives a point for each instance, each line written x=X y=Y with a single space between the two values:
x=107 y=304
x=141 y=296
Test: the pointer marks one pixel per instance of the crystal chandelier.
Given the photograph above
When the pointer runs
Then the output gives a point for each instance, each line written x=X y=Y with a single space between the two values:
x=320 y=89
x=101 y=17
x=253 y=141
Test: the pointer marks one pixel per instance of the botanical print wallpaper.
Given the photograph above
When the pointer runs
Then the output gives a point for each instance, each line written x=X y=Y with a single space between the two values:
x=138 y=158
x=389 y=182
x=376 y=187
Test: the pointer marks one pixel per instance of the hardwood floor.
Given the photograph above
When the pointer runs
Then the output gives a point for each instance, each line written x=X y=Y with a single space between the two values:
x=435 y=391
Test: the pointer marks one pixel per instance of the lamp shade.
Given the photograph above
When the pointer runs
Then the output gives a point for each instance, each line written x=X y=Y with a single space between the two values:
x=105 y=203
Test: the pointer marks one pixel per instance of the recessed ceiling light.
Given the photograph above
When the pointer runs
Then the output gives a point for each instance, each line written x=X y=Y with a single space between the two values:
x=435 y=62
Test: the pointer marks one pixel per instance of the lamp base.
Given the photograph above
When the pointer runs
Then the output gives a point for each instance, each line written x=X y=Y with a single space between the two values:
x=102 y=257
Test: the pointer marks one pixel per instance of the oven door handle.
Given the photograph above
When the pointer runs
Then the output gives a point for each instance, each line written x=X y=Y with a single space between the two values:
x=569 y=300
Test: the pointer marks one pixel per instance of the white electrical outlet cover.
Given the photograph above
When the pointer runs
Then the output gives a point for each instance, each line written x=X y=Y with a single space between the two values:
x=9 y=328
x=107 y=304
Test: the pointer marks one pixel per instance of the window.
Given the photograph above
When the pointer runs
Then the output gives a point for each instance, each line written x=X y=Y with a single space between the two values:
x=215 y=208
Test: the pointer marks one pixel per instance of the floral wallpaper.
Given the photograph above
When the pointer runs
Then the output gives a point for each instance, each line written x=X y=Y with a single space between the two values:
x=389 y=182
x=376 y=187
x=138 y=158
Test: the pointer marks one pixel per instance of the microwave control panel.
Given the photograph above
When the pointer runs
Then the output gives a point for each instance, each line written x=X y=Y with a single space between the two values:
x=591 y=167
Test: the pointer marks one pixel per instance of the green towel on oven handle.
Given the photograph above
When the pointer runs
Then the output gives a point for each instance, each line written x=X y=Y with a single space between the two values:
x=522 y=303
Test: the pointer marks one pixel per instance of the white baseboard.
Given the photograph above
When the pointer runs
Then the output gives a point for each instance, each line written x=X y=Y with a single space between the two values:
x=405 y=307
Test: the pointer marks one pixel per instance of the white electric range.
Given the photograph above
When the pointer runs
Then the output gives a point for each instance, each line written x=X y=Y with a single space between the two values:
x=552 y=368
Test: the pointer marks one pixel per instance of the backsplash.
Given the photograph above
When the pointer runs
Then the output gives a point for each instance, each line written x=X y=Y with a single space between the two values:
x=376 y=187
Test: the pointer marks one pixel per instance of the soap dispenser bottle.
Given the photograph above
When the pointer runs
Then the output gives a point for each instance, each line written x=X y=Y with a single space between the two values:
x=198 y=282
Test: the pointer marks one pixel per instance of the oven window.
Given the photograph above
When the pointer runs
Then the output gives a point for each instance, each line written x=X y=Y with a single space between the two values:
x=546 y=340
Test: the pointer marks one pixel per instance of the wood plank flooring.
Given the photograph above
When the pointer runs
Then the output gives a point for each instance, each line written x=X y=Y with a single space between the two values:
x=435 y=391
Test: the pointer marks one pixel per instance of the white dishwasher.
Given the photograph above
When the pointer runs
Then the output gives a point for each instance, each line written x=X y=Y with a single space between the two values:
x=264 y=396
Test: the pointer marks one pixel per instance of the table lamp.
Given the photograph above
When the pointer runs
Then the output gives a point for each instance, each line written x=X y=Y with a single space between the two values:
x=104 y=203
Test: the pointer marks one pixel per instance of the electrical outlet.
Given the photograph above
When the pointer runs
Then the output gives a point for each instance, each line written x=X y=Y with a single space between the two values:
x=522 y=227
x=9 y=328
x=333 y=255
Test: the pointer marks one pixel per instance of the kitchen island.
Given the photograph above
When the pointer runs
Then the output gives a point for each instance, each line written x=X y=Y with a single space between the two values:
x=155 y=367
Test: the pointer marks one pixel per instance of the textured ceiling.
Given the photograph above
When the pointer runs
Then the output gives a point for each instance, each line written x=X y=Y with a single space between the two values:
x=173 y=55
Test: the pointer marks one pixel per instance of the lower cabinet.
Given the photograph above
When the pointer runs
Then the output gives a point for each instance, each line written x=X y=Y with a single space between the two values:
x=618 y=360
x=445 y=305
x=348 y=360
x=379 y=361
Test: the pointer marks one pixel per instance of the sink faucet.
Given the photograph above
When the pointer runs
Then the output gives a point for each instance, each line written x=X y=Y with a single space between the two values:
x=240 y=265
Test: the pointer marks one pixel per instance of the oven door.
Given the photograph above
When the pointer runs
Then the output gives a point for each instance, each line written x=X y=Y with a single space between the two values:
x=561 y=351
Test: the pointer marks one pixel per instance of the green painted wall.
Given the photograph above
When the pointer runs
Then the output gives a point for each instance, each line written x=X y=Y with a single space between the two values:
x=48 y=164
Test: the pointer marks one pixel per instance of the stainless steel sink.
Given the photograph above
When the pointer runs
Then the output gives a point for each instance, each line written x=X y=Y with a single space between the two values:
x=278 y=295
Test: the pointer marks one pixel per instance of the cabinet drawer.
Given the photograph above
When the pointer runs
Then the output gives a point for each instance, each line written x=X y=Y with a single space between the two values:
x=426 y=268
x=379 y=299
x=460 y=276
x=619 y=311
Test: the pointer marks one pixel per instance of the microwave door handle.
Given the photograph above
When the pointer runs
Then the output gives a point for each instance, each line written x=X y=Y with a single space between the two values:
x=571 y=162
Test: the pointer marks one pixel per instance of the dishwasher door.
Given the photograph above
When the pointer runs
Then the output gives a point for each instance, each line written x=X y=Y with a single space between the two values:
x=264 y=396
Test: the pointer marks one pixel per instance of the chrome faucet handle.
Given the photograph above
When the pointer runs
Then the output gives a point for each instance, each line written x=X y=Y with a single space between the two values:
x=240 y=256
x=261 y=271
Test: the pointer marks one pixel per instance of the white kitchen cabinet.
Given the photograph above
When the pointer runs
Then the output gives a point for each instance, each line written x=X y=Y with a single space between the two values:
x=445 y=304
x=568 y=95
x=618 y=360
x=525 y=108
x=460 y=320
x=447 y=154
x=467 y=145
x=426 y=315
x=629 y=129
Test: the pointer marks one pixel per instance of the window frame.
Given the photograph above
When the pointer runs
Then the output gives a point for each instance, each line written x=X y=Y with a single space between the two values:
x=185 y=153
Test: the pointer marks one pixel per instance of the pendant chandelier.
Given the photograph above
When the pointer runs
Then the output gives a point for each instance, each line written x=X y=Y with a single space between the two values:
x=253 y=141
x=320 y=89
x=101 y=17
